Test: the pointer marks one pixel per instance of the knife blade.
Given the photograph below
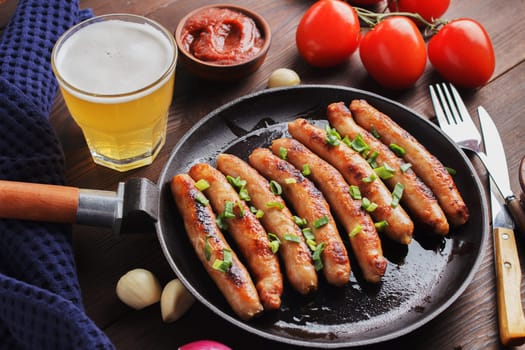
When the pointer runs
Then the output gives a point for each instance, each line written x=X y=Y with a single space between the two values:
x=499 y=170
x=508 y=274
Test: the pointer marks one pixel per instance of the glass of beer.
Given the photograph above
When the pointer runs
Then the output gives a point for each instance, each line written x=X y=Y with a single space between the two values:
x=116 y=74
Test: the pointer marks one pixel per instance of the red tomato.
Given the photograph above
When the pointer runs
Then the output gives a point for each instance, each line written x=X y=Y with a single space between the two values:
x=394 y=52
x=462 y=53
x=428 y=9
x=328 y=33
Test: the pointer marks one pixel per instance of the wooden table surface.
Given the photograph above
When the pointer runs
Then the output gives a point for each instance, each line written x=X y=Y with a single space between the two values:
x=470 y=323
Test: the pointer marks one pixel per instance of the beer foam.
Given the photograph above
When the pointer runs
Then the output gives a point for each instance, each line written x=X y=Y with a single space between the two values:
x=114 y=57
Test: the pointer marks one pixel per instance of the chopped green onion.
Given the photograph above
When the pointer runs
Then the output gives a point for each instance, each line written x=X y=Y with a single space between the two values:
x=244 y=195
x=311 y=244
x=405 y=166
x=346 y=140
x=223 y=225
x=332 y=136
x=354 y=192
x=275 y=187
x=316 y=256
x=451 y=171
x=291 y=238
x=275 y=205
x=283 y=153
x=301 y=222
x=370 y=178
x=400 y=151
x=226 y=262
x=355 y=230
x=228 y=210
x=381 y=225
x=368 y=205
x=207 y=249
x=306 y=170
x=236 y=182
x=397 y=193
x=241 y=209
x=385 y=172
x=202 y=184
x=374 y=132
x=201 y=199
x=290 y=180
x=359 y=145
x=275 y=242
x=321 y=222
x=258 y=212
x=372 y=159
x=307 y=233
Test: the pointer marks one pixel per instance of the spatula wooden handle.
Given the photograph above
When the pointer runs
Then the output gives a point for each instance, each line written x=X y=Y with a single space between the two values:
x=508 y=272
x=38 y=202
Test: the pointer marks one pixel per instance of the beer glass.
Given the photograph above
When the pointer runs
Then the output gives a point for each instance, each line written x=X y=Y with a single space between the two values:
x=116 y=73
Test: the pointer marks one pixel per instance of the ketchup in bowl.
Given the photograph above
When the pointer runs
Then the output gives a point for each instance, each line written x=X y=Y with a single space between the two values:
x=221 y=36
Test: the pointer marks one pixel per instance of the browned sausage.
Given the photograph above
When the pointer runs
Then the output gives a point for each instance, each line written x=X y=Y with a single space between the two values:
x=209 y=244
x=417 y=198
x=295 y=255
x=247 y=231
x=309 y=204
x=357 y=172
x=357 y=223
x=426 y=166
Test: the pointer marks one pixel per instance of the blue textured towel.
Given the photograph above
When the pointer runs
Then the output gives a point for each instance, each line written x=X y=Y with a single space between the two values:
x=40 y=300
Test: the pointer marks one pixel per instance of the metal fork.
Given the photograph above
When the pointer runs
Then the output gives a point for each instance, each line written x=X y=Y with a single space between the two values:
x=455 y=120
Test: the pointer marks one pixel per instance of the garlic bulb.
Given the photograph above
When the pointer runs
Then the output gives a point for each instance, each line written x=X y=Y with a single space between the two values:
x=138 y=289
x=175 y=301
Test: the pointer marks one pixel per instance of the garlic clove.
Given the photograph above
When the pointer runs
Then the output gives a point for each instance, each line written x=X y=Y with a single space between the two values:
x=175 y=301
x=283 y=77
x=138 y=289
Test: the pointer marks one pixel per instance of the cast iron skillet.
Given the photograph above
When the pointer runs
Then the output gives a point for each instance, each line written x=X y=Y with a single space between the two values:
x=421 y=281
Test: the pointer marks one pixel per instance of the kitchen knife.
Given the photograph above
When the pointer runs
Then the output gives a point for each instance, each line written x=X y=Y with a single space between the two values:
x=498 y=162
x=508 y=274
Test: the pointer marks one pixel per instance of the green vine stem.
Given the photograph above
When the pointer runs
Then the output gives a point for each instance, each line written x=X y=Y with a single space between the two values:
x=371 y=19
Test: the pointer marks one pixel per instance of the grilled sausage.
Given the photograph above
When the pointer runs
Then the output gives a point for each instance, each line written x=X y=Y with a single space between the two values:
x=363 y=236
x=426 y=166
x=295 y=255
x=247 y=231
x=309 y=204
x=417 y=198
x=357 y=172
x=208 y=242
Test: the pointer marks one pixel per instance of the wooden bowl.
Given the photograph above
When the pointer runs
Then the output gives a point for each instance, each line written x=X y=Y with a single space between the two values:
x=210 y=70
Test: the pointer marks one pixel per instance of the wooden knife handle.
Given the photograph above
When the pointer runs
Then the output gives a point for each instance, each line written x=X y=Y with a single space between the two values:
x=508 y=273
x=38 y=202
x=518 y=214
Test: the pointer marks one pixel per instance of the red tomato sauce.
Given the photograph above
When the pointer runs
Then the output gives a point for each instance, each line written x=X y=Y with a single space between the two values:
x=221 y=36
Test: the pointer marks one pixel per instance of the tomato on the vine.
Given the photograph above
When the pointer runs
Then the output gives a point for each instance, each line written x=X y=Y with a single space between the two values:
x=328 y=33
x=394 y=52
x=428 y=9
x=462 y=53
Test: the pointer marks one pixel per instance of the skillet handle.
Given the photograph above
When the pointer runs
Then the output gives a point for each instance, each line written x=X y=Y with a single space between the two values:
x=38 y=202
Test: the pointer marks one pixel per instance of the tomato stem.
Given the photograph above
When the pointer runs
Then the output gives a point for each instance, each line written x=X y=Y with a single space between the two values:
x=371 y=19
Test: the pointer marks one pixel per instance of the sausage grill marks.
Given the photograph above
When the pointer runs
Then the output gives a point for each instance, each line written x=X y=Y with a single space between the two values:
x=337 y=170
